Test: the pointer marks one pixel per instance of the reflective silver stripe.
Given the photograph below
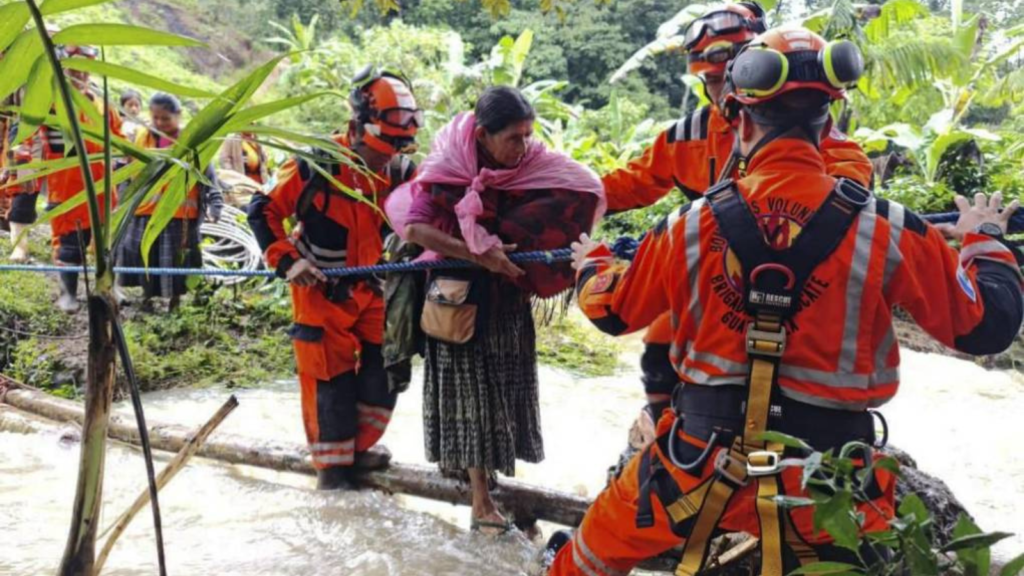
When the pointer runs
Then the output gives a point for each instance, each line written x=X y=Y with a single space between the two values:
x=673 y=217
x=580 y=545
x=968 y=253
x=698 y=376
x=855 y=286
x=692 y=238
x=884 y=347
x=723 y=364
x=840 y=379
x=324 y=252
x=329 y=446
x=696 y=121
x=373 y=422
x=331 y=459
x=366 y=408
x=894 y=256
x=321 y=262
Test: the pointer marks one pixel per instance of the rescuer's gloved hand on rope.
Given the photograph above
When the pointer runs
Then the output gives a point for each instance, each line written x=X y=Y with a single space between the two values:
x=984 y=211
x=304 y=273
x=496 y=260
x=581 y=249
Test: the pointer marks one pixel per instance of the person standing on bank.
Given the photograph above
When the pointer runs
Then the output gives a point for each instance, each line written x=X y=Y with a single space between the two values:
x=177 y=246
x=487 y=189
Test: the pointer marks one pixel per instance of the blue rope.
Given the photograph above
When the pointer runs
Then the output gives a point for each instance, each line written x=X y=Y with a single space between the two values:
x=624 y=247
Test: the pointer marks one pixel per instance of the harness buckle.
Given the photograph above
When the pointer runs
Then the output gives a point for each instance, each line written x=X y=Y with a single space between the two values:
x=765 y=343
x=725 y=460
x=763 y=463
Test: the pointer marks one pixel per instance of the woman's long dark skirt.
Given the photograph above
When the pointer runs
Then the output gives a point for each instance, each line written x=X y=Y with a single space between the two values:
x=480 y=402
x=176 y=247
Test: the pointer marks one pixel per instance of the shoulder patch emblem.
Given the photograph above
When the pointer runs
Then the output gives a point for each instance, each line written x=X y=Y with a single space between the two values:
x=965 y=283
x=603 y=283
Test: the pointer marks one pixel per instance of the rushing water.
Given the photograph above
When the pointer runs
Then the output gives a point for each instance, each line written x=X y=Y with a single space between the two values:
x=958 y=420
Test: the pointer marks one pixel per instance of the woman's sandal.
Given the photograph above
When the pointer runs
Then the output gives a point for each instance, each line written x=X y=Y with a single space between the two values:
x=478 y=525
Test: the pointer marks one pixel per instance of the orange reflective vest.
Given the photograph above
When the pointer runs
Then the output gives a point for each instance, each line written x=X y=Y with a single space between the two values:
x=65 y=184
x=692 y=154
x=189 y=208
x=841 y=350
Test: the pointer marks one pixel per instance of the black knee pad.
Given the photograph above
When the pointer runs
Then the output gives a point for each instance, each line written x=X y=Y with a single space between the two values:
x=336 y=407
x=659 y=377
x=373 y=379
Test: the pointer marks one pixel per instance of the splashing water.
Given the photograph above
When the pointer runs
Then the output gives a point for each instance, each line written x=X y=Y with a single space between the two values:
x=955 y=418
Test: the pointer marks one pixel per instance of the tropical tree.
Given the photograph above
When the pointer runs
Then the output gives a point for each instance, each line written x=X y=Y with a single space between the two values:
x=31 y=64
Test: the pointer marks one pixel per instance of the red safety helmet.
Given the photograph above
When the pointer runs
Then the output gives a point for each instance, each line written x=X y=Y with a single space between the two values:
x=716 y=37
x=788 y=59
x=384 y=104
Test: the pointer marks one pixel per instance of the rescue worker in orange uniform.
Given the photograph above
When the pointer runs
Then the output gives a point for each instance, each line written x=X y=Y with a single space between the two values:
x=781 y=287
x=71 y=231
x=339 y=324
x=18 y=196
x=698 y=151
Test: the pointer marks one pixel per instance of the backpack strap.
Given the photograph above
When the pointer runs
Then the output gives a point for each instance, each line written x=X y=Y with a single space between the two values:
x=774 y=282
x=316 y=183
x=775 y=278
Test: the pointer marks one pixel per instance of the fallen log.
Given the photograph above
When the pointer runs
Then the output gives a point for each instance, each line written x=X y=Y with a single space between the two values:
x=525 y=502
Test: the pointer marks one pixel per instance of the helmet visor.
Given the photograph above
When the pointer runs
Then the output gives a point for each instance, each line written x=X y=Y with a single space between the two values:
x=714 y=24
x=402 y=118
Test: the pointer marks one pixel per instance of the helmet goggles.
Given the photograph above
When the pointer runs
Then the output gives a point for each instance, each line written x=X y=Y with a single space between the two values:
x=718 y=24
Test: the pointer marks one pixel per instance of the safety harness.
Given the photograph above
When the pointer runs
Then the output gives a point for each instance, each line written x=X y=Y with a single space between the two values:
x=775 y=280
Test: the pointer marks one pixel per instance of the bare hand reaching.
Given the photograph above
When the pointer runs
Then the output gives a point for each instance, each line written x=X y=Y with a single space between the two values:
x=304 y=273
x=582 y=249
x=984 y=210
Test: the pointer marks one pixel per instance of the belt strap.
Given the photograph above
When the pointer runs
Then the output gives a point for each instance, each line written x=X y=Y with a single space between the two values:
x=749 y=456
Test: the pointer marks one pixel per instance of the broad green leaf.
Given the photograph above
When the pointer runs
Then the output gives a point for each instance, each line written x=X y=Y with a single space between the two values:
x=120 y=35
x=18 y=61
x=38 y=100
x=1014 y=567
x=812 y=464
x=51 y=7
x=41 y=169
x=134 y=194
x=975 y=541
x=939 y=147
x=132 y=76
x=965 y=37
x=80 y=198
x=786 y=440
x=976 y=561
x=13 y=18
x=835 y=516
x=828 y=568
x=241 y=120
x=913 y=507
x=211 y=119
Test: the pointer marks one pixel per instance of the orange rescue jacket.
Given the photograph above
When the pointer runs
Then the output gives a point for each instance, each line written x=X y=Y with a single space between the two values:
x=692 y=154
x=842 y=350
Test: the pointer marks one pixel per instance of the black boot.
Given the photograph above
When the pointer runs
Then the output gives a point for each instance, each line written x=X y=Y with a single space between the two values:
x=557 y=541
x=335 y=478
x=376 y=458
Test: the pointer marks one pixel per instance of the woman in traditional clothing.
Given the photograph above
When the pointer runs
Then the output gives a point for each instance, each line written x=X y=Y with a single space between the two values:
x=486 y=189
x=177 y=246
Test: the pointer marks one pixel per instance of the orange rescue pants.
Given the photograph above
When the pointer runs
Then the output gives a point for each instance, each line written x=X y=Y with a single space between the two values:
x=346 y=404
x=608 y=543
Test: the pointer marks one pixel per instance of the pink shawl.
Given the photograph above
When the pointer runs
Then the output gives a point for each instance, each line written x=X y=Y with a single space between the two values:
x=453 y=161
